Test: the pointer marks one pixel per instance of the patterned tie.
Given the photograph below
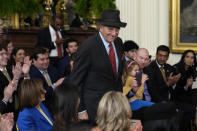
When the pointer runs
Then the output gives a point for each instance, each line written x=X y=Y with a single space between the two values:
x=163 y=73
x=59 y=49
x=6 y=75
x=46 y=78
x=112 y=58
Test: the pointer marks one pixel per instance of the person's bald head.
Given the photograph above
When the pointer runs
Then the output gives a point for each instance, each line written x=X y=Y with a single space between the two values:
x=142 y=57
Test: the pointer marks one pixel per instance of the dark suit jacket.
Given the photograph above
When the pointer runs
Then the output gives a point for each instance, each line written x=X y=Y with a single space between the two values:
x=44 y=38
x=157 y=87
x=62 y=64
x=54 y=76
x=93 y=72
x=2 y=107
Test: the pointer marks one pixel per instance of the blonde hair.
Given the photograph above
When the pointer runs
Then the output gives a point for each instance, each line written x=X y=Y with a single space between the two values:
x=114 y=112
x=129 y=65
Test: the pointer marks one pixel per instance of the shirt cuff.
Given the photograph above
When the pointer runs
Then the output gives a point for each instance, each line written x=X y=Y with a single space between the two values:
x=4 y=102
x=79 y=113
x=185 y=88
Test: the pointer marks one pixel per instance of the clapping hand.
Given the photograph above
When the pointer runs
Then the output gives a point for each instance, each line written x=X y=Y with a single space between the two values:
x=8 y=91
x=173 y=79
x=189 y=82
x=144 y=78
x=17 y=70
x=26 y=65
x=7 y=122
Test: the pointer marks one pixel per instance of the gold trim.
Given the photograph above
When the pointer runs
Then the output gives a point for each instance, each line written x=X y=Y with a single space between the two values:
x=175 y=45
x=15 y=21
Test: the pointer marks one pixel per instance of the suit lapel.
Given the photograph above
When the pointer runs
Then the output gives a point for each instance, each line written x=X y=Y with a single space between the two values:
x=119 y=56
x=159 y=72
x=167 y=72
x=38 y=74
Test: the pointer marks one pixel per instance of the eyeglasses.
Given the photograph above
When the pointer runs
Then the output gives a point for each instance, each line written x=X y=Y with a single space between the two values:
x=4 y=53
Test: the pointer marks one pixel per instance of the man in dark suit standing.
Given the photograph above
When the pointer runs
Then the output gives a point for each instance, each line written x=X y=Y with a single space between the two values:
x=52 y=38
x=98 y=65
x=161 y=77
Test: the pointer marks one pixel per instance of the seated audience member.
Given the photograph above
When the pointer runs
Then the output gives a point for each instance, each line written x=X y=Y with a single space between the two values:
x=33 y=114
x=184 y=93
x=41 y=69
x=7 y=75
x=114 y=113
x=6 y=122
x=17 y=56
x=9 y=46
x=84 y=125
x=135 y=98
x=70 y=48
x=161 y=117
x=161 y=76
x=143 y=59
x=65 y=102
x=130 y=49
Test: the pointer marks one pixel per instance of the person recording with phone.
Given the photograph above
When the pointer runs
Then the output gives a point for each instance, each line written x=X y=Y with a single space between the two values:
x=132 y=72
x=52 y=37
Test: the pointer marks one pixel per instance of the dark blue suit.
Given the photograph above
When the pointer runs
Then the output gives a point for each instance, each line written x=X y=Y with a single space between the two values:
x=31 y=119
x=54 y=76
x=63 y=64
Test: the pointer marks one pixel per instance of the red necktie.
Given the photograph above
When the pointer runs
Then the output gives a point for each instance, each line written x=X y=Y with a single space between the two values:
x=112 y=58
x=59 y=50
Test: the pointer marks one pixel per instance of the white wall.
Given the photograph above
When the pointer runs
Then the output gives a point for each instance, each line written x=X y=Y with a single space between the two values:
x=147 y=24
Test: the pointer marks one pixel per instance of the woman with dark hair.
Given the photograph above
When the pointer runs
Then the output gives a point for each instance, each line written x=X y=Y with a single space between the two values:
x=187 y=67
x=65 y=102
x=17 y=56
x=184 y=94
x=34 y=115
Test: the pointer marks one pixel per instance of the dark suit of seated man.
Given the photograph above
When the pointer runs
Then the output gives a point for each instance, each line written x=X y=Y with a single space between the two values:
x=161 y=76
x=41 y=69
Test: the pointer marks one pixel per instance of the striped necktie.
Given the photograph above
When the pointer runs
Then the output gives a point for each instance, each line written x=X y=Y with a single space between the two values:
x=59 y=48
x=163 y=73
x=46 y=78
x=6 y=75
